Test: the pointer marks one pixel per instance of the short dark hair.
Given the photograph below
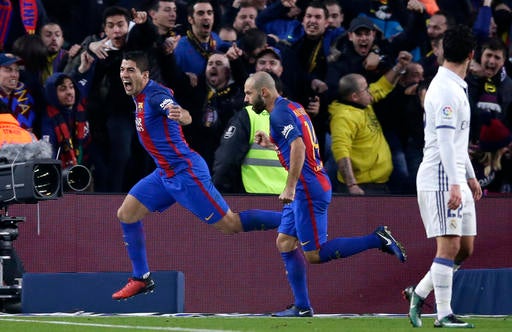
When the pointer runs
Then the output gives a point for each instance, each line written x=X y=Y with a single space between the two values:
x=61 y=79
x=190 y=8
x=116 y=10
x=458 y=43
x=495 y=44
x=139 y=57
x=155 y=4
x=252 y=39
x=319 y=5
x=450 y=20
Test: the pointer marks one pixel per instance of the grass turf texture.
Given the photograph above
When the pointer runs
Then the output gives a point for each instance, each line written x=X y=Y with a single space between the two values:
x=15 y=323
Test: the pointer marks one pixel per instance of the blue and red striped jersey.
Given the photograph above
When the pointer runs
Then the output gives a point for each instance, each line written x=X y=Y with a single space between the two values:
x=161 y=137
x=289 y=121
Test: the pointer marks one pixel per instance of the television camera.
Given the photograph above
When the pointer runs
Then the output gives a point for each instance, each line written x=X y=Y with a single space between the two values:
x=21 y=182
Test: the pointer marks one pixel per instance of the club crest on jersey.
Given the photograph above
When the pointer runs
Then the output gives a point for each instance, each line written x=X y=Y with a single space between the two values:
x=166 y=102
x=140 y=107
x=286 y=130
x=447 y=112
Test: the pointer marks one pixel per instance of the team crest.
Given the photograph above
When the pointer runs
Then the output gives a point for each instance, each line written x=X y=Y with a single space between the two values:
x=453 y=223
x=140 y=107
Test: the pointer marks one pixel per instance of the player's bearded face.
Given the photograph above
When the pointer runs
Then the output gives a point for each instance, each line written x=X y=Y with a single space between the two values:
x=258 y=105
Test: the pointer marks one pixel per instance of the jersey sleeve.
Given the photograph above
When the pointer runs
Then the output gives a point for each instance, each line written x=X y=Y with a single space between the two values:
x=445 y=124
x=284 y=125
x=160 y=100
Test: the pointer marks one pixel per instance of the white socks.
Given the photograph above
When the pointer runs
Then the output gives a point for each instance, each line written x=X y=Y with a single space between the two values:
x=442 y=279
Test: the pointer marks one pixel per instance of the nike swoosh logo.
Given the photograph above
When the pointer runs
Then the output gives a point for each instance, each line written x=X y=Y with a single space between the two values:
x=388 y=241
x=304 y=243
x=209 y=217
x=301 y=312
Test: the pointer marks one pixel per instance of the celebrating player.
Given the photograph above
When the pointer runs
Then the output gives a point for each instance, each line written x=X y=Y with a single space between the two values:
x=181 y=175
x=306 y=196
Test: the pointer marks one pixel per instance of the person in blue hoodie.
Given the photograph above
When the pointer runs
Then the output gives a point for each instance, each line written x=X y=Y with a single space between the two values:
x=65 y=120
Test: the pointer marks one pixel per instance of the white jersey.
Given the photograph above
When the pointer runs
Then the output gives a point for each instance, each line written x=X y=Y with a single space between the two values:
x=446 y=107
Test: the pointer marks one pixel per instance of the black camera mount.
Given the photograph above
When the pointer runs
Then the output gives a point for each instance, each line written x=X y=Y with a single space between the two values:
x=8 y=233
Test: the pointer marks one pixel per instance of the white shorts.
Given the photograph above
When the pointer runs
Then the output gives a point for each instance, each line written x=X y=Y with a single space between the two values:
x=439 y=220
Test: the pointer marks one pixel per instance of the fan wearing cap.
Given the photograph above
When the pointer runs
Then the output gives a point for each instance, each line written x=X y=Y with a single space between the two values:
x=14 y=93
x=357 y=52
x=363 y=51
x=495 y=142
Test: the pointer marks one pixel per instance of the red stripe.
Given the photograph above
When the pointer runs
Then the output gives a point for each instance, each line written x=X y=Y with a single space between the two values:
x=200 y=184
x=161 y=159
x=311 y=212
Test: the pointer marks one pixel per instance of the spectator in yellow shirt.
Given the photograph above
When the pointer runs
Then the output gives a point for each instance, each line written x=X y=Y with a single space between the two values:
x=362 y=155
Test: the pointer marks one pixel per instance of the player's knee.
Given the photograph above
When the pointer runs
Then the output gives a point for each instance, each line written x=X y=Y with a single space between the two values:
x=286 y=243
x=121 y=215
x=124 y=216
x=229 y=224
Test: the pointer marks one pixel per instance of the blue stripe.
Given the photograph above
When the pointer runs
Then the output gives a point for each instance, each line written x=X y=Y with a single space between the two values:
x=442 y=178
x=441 y=211
x=449 y=127
x=443 y=261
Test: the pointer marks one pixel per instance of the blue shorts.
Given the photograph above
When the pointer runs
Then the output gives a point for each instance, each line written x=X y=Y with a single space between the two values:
x=306 y=219
x=193 y=190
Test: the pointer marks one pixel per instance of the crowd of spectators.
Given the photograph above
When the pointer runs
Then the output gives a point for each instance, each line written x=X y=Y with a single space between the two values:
x=64 y=83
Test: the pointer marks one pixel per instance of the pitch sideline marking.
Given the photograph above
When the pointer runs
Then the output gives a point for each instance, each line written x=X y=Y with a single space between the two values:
x=154 y=328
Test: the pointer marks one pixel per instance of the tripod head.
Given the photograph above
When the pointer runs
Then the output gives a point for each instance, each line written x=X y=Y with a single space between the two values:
x=8 y=231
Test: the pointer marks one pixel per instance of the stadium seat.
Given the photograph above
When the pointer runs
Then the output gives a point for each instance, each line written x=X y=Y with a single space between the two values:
x=91 y=292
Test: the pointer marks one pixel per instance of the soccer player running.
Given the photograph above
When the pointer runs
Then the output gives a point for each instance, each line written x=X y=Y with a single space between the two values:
x=306 y=196
x=181 y=174
x=446 y=182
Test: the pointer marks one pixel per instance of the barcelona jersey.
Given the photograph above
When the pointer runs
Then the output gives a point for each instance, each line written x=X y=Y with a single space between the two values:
x=289 y=121
x=306 y=216
x=161 y=137
x=182 y=175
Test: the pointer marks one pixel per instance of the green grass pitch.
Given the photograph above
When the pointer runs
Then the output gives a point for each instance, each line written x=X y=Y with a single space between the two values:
x=58 y=323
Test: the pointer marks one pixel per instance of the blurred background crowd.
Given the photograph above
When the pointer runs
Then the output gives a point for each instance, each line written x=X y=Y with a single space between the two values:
x=59 y=77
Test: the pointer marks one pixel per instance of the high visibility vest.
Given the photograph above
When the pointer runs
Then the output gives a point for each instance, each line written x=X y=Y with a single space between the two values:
x=262 y=173
x=12 y=133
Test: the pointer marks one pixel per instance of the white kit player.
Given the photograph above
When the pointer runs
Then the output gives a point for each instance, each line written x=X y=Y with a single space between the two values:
x=446 y=182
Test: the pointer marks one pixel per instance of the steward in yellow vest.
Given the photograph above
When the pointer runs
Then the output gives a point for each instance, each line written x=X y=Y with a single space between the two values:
x=241 y=166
